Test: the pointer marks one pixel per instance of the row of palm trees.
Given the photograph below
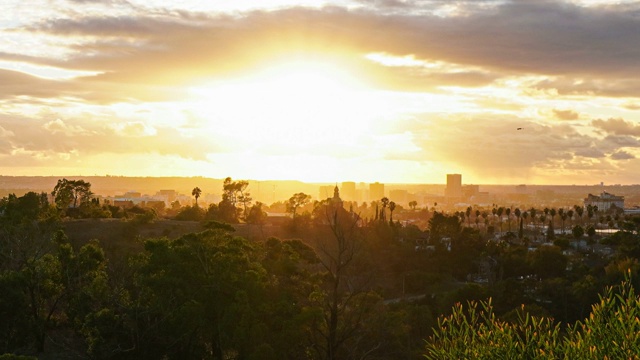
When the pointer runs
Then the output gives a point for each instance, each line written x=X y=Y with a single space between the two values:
x=537 y=217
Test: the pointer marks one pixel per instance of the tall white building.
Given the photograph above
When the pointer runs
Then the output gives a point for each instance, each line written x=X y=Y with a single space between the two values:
x=605 y=201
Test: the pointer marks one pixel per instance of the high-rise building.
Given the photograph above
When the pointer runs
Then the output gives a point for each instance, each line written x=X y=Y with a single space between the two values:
x=454 y=186
x=348 y=191
x=376 y=191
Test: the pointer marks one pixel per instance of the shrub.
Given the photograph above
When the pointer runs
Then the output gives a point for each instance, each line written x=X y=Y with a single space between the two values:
x=612 y=331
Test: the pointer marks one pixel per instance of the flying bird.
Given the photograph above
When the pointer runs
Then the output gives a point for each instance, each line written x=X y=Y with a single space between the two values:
x=519 y=128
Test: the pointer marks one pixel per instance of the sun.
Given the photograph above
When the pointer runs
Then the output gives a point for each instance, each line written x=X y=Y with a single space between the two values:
x=300 y=103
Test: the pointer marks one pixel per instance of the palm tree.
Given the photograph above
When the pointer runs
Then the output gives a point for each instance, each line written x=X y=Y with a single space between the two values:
x=508 y=213
x=499 y=213
x=579 y=212
x=533 y=212
x=485 y=216
x=383 y=213
x=570 y=217
x=196 y=193
x=392 y=206
x=563 y=217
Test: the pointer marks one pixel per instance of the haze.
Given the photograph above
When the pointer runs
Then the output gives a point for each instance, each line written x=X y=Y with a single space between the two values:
x=394 y=91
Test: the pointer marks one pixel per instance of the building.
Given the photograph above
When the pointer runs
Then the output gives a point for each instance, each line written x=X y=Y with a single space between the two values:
x=376 y=191
x=399 y=196
x=469 y=191
x=170 y=195
x=336 y=201
x=605 y=201
x=348 y=191
x=453 y=191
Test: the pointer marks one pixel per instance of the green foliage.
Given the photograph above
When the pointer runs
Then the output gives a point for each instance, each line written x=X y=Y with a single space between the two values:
x=70 y=192
x=612 y=331
x=296 y=201
x=16 y=357
x=475 y=332
x=215 y=225
x=190 y=213
x=443 y=225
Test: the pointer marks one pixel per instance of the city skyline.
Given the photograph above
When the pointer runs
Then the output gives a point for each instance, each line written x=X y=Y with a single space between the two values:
x=501 y=91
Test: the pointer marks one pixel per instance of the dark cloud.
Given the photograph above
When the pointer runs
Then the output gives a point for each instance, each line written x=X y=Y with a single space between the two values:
x=566 y=114
x=15 y=84
x=545 y=37
x=590 y=153
x=617 y=141
x=622 y=155
x=600 y=85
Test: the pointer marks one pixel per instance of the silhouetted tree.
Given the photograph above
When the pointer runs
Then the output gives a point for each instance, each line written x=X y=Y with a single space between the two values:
x=68 y=192
x=196 y=193
x=296 y=201
x=392 y=207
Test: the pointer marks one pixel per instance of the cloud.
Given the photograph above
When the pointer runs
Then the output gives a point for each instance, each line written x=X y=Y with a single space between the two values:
x=39 y=135
x=566 y=114
x=622 y=155
x=591 y=152
x=617 y=127
x=59 y=127
x=490 y=147
x=551 y=38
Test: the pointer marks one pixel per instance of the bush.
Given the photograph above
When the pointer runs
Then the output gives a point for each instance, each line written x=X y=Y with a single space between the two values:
x=612 y=331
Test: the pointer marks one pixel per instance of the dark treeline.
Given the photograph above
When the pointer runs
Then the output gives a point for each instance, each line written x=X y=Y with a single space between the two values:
x=339 y=282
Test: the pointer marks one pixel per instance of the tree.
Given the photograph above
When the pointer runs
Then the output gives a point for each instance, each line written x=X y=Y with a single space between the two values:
x=344 y=299
x=413 y=204
x=67 y=192
x=198 y=297
x=196 y=193
x=296 y=201
x=383 y=214
x=578 y=232
x=499 y=213
x=257 y=216
x=442 y=225
x=579 y=211
x=235 y=192
x=60 y=285
x=518 y=213
x=27 y=225
x=563 y=218
x=533 y=213
x=392 y=207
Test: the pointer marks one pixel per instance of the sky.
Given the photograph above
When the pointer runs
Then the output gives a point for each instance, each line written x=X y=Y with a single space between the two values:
x=396 y=91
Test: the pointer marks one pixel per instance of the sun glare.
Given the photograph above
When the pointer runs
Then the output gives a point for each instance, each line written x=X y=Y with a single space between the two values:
x=302 y=105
